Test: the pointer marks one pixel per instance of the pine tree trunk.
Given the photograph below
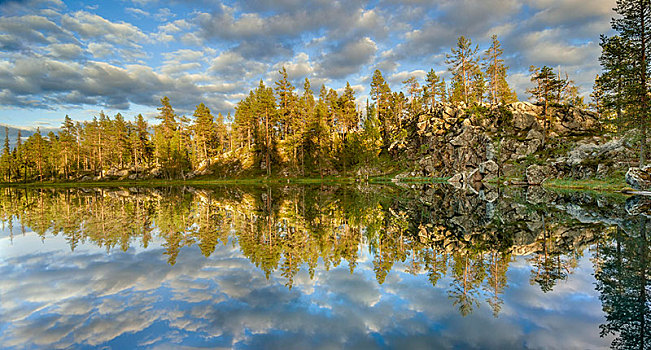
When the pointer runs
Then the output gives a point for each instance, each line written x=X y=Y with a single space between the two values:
x=465 y=81
x=494 y=77
x=644 y=100
x=266 y=125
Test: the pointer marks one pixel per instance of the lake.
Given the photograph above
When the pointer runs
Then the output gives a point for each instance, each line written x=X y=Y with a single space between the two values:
x=323 y=267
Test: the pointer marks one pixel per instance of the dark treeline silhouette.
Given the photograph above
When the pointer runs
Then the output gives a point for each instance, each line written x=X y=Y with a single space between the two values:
x=274 y=130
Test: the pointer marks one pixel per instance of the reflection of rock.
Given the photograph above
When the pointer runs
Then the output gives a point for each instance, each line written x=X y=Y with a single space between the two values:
x=489 y=169
x=638 y=205
x=526 y=218
x=456 y=180
x=639 y=179
x=474 y=176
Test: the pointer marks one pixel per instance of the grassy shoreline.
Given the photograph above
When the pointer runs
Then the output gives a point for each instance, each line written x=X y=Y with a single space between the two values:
x=615 y=184
x=217 y=182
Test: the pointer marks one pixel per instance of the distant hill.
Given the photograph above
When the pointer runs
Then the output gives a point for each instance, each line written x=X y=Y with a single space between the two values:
x=25 y=132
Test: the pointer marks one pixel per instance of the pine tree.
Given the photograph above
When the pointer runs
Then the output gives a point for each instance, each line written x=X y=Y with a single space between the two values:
x=265 y=108
x=414 y=89
x=36 y=149
x=286 y=102
x=167 y=117
x=19 y=158
x=631 y=24
x=67 y=140
x=432 y=89
x=120 y=140
x=349 y=121
x=381 y=94
x=140 y=142
x=290 y=125
x=53 y=152
x=545 y=91
x=616 y=64
x=5 y=159
x=597 y=98
x=307 y=105
x=463 y=65
x=546 y=87
x=204 y=132
x=495 y=72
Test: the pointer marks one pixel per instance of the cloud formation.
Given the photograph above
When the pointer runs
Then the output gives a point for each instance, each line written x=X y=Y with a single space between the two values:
x=115 y=57
x=53 y=298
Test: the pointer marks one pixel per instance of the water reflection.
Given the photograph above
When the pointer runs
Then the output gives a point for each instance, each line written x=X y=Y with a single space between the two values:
x=316 y=250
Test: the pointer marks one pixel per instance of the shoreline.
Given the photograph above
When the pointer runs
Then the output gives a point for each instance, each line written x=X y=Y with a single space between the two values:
x=599 y=185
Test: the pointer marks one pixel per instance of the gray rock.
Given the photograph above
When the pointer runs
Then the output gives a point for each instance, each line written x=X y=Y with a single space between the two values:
x=489 y=169
x=583 y=152
x=639 y=179
x=523 y=121
x=490 y=151
x=465 y=138
x=156 y=172
x=534 y=134
x=537 y=174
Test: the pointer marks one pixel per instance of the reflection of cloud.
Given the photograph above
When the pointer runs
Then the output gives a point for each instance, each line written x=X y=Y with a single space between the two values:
x=55 y=298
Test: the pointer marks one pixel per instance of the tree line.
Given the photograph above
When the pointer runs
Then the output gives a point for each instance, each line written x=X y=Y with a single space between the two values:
x=621 y=93
x=277 y=130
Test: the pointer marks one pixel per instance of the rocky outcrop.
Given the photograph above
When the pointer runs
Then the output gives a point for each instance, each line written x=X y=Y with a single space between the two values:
x=639 y=179
x=488 y=141
x=458 y=142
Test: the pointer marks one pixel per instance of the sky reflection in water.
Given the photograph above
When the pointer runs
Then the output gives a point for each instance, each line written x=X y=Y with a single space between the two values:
x=52 y=297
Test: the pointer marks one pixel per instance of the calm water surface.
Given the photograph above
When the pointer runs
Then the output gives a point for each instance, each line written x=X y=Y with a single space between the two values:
x=323 y=267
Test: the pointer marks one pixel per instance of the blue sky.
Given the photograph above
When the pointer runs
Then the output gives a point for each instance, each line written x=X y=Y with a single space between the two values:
x=77 y=58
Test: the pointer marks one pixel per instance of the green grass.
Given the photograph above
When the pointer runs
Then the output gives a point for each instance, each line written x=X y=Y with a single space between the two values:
x=615 y=183
x=216 y=182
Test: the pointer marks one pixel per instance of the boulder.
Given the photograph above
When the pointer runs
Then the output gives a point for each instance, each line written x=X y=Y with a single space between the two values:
x=612 y=149
x=156 y=172
x=465 y=138
x=574 y=121
x=534 y=134
x=639 y=179
x=537 y=174
x=523 y=120
x=489 y=169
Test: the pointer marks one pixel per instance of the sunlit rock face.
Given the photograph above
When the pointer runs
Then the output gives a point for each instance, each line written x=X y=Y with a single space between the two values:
x=316 y=266
x=452 y=140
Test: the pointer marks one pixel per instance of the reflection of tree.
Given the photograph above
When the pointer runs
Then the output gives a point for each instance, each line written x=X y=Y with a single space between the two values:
x=285 y=229
x=549 y=264
x=624 y=286
x=468 y=272
x=498 y=264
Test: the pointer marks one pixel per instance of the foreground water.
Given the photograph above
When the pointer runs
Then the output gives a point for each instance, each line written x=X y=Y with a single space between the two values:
x=322 y=267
